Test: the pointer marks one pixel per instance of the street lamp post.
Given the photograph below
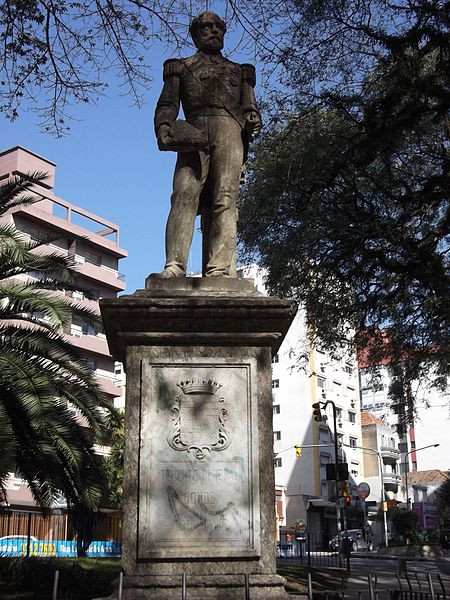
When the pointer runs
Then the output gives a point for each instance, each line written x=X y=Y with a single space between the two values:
x=407 y=468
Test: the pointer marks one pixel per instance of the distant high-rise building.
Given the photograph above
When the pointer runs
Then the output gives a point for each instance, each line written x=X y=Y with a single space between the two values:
x=427 y=418
x=93 y=242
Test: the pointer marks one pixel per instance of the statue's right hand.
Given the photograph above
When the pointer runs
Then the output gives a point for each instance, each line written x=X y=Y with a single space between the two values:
x=164 y=133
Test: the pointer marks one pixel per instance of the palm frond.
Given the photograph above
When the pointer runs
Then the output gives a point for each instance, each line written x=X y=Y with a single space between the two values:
x=48 y=393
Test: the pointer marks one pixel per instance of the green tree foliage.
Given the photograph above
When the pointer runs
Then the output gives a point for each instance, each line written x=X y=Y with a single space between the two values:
x=405 y=522
x=56 y=53
x=443 y=497
x=347 y=202
x=47 y=389
x=114 y=462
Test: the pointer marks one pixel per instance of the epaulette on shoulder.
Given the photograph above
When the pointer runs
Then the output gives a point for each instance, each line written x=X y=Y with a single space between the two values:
x=172 y=68
x=249 y=74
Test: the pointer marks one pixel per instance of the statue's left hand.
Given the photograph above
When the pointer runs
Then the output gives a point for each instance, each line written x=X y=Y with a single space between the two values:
x=253 y=123
x=164 y=134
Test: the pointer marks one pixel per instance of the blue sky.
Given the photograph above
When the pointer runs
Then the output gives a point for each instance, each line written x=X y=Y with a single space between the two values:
x=109 y=164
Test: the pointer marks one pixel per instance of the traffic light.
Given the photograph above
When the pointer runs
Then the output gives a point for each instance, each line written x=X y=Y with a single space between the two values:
x=317 y=413
x=298 y=451
x=345 y=489
x=348 y=501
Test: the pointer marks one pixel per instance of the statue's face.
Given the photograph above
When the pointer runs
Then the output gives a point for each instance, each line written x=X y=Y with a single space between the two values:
x=209 y=34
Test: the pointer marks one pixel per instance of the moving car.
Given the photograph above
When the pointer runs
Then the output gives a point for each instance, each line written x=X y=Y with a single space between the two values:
x=355 y=536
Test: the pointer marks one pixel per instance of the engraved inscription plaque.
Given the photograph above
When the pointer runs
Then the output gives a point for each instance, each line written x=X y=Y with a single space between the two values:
x=198 y=477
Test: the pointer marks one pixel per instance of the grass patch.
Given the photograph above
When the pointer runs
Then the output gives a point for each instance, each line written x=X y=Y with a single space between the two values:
x=79 y=578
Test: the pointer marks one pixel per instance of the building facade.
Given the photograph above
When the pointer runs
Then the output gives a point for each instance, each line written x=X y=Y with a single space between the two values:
x=381 y=458
x=303 y=375
x=93 y=242
x=420 y=489
x=427 y=423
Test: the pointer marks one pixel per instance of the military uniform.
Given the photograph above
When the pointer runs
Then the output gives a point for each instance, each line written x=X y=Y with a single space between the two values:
x=215 y=94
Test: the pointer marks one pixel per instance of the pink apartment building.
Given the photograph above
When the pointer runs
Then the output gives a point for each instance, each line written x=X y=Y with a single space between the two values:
x=94 y=244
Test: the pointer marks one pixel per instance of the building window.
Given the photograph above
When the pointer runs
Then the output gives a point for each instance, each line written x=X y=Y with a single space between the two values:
x=338 y=413
x=276 y=409
x=403 y=447
x=91 y=364
x=36 y=234
x=354 y=469
x=276 y=358
x=348 y=369
x=352 y=416
x=353 y=442
x=277 y=435
x=87 y=329
x=93 y=294
x=340 y=439
x=320 y=382
x=92 y=257
x=278 y=462
x=275 y=383
x=117 y=368
x=324 y=435
x=325 y=459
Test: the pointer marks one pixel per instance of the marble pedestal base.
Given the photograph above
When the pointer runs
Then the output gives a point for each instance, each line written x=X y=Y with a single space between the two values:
x=199 y=483
x=201 y=587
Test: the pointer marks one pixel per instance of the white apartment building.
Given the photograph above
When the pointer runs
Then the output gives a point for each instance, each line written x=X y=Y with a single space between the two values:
x=381 y=458
x=301 y=376
x=429 y=422
x=94 y=244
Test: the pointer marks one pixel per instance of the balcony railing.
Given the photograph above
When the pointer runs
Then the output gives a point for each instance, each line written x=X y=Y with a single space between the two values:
x=391 y=477
x=389 y=452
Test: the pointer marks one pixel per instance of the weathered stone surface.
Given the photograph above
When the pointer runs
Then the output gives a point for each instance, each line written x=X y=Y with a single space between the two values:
x=196 y=311
x=199 y=483
x=224 y=587
x=218 y=100
x=199 y=479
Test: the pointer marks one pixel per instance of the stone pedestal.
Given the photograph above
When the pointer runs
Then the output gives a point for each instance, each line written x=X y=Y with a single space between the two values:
x=199 y=485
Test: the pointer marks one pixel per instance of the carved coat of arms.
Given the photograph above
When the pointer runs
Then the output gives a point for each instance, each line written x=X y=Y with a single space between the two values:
x=199 y=414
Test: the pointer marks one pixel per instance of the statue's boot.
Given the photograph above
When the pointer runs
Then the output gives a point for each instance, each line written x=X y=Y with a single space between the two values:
x=169 y=272
x=217 y=273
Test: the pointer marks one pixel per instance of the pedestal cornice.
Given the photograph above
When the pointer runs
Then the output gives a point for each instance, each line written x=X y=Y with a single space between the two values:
x=196 y=311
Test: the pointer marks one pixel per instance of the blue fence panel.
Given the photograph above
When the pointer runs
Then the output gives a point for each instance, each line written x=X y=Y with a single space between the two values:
x=18 y=547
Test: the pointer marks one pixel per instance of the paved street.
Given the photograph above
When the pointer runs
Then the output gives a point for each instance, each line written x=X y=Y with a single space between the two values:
x=384 y=572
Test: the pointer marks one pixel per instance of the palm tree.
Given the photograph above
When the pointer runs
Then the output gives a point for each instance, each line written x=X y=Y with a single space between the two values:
x=46 y=386
x=114 y=462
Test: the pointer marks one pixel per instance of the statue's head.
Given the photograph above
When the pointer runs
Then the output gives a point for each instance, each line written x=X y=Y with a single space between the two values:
x=207 y=31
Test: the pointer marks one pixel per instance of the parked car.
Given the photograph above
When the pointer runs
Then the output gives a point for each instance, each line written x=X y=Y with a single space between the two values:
x=355 y=536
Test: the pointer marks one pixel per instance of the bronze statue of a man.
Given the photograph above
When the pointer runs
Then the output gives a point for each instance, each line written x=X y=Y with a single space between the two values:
x=218 y=101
